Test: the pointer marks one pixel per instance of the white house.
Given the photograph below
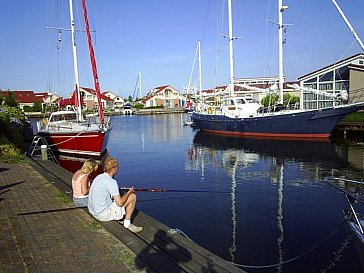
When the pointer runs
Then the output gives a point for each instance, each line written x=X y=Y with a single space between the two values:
x=118 y=101
x=165 y=96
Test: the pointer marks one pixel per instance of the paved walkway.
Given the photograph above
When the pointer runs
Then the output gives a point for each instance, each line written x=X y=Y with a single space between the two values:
x=40 y=231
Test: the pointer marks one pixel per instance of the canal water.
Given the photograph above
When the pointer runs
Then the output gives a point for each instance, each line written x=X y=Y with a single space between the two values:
x=262 y=204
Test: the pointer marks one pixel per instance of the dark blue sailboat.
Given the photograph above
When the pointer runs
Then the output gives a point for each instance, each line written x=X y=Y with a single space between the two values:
x=244 y=116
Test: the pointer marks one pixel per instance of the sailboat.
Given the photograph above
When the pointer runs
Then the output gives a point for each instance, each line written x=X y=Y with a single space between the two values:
x=244 y=116
x=70 y=132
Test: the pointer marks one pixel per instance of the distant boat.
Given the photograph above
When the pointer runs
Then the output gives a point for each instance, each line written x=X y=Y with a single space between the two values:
x=70 y=132
x=244 y=116
x=127 y=109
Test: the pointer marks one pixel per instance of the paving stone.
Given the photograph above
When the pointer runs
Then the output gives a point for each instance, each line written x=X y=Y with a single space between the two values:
x=40 y=233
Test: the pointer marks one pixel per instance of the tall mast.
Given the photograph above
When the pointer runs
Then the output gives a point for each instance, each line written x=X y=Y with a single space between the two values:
x=75 y=66
x=231 y=54
x=93 y=61
x=199 y=67
x=281 y=9
x=348 y=24
x=140 y=85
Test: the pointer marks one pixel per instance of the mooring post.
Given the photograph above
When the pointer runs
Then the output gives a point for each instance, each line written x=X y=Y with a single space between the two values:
x=43 y=149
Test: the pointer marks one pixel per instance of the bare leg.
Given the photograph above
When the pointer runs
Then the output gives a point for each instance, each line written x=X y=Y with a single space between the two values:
x=130 y=206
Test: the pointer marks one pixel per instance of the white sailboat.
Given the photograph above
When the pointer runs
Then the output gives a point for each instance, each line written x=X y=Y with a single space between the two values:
x=71 y=132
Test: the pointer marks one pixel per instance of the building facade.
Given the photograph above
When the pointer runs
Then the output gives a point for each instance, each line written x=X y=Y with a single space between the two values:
x=165 y=96
x=345 y=75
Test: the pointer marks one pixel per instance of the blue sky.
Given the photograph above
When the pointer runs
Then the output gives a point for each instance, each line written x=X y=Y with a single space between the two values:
x=159 y=38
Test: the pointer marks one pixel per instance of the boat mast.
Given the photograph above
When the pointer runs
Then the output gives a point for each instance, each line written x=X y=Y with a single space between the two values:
x=199 y=67
x=348 y=24
x=231 y=50
x=75 y=66
x=140 y=85
x=281 y=9
x=93 y=62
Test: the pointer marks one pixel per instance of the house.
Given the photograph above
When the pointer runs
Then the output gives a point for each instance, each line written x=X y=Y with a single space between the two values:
x=118 y=101
x=25 y=98
x=90 y=100
x=347 y=74
x=165 y=96
x=256 y=88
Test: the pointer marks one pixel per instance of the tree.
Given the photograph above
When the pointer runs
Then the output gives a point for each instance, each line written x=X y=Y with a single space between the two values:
x=37 y=106
x=290 y=99
x=270 y=99
x=10 y=100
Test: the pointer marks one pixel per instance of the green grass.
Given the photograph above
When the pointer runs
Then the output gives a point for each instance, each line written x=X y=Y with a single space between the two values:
x=93 y=225
x=354 y=117
x=9 y=153
x=63 y=198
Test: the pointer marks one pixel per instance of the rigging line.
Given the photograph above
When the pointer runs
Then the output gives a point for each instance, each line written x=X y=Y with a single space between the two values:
x=203 y=32
x=67 y=139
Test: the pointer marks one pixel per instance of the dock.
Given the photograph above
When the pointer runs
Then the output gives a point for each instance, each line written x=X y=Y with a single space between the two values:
x=158 y=248
x=345 y=127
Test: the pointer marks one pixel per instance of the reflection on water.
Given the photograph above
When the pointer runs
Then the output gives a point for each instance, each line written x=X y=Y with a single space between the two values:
x=277 y=207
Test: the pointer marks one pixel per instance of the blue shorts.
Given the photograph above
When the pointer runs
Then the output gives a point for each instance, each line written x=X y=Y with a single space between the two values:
x=80 y=202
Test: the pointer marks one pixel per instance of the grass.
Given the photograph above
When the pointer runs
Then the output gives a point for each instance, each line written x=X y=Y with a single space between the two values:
x=354 y=117
x=93 y=225
x=63 y=198
x=9 y=153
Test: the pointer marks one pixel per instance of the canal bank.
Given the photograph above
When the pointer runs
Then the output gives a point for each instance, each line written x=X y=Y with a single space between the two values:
x=43 y=232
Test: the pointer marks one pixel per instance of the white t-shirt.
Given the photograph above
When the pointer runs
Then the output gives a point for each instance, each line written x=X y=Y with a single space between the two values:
x=101 y=191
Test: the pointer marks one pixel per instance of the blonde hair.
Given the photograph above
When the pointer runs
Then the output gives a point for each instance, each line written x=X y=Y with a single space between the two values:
x=89 y=166
x=110 y=163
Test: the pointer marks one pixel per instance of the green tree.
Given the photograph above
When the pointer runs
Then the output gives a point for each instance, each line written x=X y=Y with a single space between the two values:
x=37 y=106
x=10 y=100
x=270 y=99
x=290 y=99
x=130 y=98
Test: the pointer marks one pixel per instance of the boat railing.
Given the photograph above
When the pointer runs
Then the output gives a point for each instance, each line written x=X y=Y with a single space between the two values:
x=40 y=149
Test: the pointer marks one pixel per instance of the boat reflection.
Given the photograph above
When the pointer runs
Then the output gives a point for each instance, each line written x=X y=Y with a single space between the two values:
x=250 y=150
x=316 y=158
x=73 y=164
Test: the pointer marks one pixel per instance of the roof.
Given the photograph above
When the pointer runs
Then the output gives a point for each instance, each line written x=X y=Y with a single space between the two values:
x=333 y=65
x=93 y=92
x=24 y=96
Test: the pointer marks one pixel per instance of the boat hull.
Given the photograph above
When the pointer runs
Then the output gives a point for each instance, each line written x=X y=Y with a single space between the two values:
x=294 y=124
x=89 y=143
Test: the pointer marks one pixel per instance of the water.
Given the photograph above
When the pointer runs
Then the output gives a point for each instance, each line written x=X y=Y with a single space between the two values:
x=267 y=200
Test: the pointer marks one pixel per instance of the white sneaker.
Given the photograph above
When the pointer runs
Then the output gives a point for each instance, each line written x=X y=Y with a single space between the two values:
x=134 y=228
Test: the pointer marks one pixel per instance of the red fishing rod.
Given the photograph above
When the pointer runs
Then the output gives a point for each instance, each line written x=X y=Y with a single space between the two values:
x=168 y=190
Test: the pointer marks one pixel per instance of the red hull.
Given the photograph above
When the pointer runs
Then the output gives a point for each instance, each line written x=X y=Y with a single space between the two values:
x=80 y=144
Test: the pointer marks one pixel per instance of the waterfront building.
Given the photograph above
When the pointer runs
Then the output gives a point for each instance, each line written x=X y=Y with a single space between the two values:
x=118 y=101
x=165 y=96
x=347 y=74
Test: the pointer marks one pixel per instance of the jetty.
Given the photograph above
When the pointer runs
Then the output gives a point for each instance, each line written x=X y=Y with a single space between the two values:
x=157 y=248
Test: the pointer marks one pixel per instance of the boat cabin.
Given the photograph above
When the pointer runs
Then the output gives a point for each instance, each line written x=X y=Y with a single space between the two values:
x=239 y=106
x=61 y=116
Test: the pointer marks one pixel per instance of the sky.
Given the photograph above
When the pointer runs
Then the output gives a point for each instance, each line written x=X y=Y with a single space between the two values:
x=158 y=39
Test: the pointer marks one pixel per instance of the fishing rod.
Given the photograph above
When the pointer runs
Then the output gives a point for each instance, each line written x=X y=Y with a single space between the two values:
x=349 y=180
x=168 y=190
x=347 y=193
